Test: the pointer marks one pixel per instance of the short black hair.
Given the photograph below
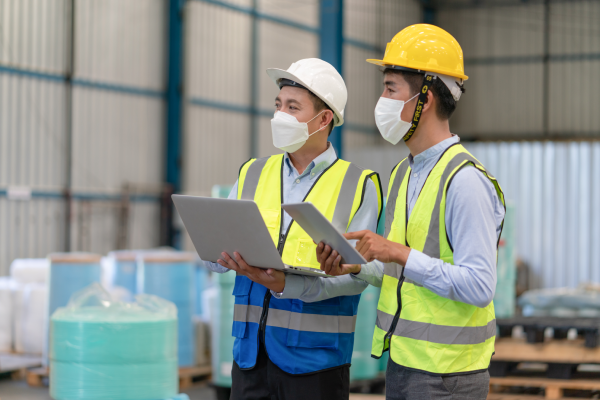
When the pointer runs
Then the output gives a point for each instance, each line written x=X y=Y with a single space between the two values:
x=445 y=102
x=318 y=104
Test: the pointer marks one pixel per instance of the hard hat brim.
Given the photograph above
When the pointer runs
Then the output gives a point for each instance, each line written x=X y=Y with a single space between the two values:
x=382 y=63
x=276 y=74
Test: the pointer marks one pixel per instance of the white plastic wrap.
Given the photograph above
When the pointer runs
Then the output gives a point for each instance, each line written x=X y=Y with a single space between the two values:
x=561 y=302
x=30 y=270
x=7 y=288
x=30 y=313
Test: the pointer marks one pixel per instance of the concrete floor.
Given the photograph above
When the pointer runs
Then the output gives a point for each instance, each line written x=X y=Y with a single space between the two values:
x=18 y=390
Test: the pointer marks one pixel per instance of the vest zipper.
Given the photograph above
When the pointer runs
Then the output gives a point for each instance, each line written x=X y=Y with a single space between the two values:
x=282 y=238
x=389 y=333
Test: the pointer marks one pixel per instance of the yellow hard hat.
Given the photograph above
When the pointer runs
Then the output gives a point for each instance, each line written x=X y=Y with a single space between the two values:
x=426 y=48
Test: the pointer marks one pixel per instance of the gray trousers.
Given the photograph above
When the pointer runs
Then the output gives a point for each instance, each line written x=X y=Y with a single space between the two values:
x=406 y=384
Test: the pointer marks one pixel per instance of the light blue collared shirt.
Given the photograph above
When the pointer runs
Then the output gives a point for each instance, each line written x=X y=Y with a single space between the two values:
x=295 y=189
x=474 y=216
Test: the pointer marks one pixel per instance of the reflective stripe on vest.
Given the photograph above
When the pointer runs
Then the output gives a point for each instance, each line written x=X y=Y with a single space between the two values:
x=457 y=338
x=296 y=321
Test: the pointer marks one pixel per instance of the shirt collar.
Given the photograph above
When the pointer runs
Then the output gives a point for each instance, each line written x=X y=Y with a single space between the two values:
x=433 y=151
x=319 y=164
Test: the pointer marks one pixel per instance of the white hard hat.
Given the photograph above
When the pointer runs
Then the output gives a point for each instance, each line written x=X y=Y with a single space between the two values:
x=321 y=78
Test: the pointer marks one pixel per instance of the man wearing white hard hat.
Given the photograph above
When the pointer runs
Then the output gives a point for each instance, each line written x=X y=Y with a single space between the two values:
x=294 y=334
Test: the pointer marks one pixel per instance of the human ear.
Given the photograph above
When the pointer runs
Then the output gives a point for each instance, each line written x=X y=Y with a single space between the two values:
x=429 y=103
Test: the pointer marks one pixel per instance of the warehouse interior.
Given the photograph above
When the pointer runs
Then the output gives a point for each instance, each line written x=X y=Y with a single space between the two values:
x=109 y=107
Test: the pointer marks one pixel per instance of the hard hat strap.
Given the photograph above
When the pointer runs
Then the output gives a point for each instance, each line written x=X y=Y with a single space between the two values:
x=427 y=82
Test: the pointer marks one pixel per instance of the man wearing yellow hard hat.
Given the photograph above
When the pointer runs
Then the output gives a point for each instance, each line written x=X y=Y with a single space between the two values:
x=436 y=264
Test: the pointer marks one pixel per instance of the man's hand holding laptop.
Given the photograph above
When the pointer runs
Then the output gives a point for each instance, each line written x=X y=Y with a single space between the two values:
x=270 y=278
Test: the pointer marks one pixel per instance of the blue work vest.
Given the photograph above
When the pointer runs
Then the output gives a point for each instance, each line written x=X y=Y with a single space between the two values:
x=299 y=337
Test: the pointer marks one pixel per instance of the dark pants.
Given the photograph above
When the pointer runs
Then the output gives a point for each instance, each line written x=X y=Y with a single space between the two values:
x=266 y=381
x=402 y=383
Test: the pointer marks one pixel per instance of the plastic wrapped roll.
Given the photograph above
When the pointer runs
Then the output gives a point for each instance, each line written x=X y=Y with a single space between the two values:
x=221 y=304
x=363 y=365
x=30 y=270
x=171 y=275
x=7 y=287
x=30 y=318
x=113 y=381
x=202 y=282
x=101 y=350
x=124 y=269
x=70 y=272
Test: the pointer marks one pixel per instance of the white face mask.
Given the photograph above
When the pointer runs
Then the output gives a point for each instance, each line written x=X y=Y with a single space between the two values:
x=388 y=119
x=289 y=134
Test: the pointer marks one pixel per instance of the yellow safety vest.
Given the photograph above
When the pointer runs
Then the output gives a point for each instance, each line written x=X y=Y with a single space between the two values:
x=422 y=330
x=337 y=193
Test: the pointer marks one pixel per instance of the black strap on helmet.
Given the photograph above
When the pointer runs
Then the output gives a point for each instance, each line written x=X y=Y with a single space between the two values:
x=427 y=82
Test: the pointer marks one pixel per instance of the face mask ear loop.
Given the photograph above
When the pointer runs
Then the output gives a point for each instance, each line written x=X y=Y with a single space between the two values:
x=427 y=82
x=320 y=129
x=406 y=102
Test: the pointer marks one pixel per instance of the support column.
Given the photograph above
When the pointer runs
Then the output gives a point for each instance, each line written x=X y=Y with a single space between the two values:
x=173 y=103
x=332 y=50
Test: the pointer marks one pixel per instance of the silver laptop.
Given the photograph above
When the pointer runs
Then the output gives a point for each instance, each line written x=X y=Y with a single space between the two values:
x=225 y=225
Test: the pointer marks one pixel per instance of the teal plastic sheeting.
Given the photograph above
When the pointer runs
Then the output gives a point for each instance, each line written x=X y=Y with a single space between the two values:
x=104 y=350
x=506 y=270
x=363 y=365
x=222 y=320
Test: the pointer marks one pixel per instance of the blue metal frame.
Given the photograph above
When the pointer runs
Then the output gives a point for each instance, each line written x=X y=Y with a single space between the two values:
x=332 y=50
x=260 y=15
x=61 y=78
x=173 y=133
x=237 y=108
x=60 y=195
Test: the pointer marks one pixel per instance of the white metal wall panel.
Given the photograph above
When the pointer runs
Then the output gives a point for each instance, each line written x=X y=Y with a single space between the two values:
x=362 y=21
x=32 y=132
x=122 y=42
x=369 y=23
x=302 y=12
x=496 y=31
x=96 y=223
x=575 y=28
x=552 y=188
x=34 y=35
x=265 y=138
x=217 y=144
x=279 y=47
x=217 y=54
x=30 y=229
x=574 y=98
x=117 y=139
x=365 y=84
x=500 y=101
x=503 y=98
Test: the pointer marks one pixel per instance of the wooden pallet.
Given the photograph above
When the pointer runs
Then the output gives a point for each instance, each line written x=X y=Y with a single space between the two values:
x=554 y=388
x=189 y=376
x=535 y=327
x=37 y=377
x=562 y=356
x=550 y=351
